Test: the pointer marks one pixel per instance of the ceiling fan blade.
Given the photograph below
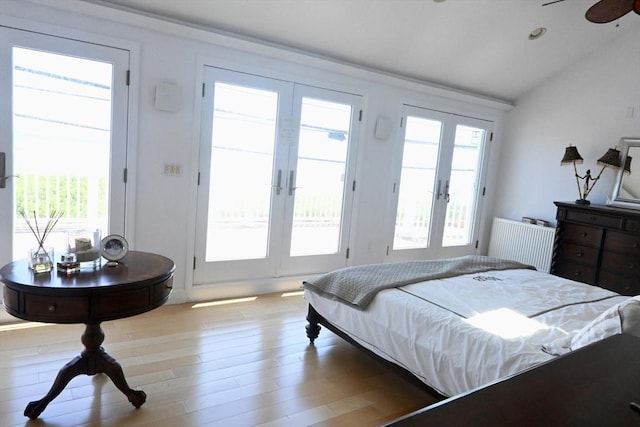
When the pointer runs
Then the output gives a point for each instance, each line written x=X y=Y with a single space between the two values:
x=609 y=10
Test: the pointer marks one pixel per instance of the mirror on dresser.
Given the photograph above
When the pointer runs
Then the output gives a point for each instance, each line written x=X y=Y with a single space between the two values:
x=626 y=191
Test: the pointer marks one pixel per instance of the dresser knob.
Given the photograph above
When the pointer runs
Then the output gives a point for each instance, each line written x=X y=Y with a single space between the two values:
x=584 y=234
x=51 y=308
x=631 y=267
x=579 y=253
x=635 y=245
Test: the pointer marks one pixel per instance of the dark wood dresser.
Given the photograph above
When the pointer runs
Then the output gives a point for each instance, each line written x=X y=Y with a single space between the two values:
x=598 y=245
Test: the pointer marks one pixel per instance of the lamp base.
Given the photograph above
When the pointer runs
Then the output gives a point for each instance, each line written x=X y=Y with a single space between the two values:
x=582 y=202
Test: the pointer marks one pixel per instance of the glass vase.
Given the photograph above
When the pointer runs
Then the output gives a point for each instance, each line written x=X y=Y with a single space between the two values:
x=41 y=259
x=86 y=247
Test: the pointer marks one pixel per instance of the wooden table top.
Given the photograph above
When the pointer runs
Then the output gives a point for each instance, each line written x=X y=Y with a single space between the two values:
x=139 y=282
x=135 y=267
x=592 y=386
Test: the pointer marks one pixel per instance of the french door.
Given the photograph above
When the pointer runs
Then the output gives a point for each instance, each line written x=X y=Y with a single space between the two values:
x=63 y=138
x=276 y=178
x=439 y=185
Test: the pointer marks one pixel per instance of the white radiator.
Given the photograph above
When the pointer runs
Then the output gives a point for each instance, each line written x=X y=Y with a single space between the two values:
x=526 y=243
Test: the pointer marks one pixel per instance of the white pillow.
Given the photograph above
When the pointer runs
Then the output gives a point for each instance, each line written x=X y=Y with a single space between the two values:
x=609 y=323
x=630 y=317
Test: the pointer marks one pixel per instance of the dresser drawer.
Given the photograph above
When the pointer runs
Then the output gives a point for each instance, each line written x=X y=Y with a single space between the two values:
x=56 y=309
x=621 y=264
x=632 y=225
x=582 y=234
x=578 y=253
x=162 y=290
x=628 y=244
x=116 y=305
x=577 y=272
x=595 y=219
x=621 y=284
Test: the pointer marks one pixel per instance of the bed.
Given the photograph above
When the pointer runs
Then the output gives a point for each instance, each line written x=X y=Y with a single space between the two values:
x=460 y=323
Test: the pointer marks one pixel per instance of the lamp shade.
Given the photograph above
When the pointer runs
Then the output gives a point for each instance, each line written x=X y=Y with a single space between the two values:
x=610 y=158
x=571 y=155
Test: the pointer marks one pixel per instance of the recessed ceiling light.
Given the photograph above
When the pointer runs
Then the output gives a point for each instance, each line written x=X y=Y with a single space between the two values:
x=537 y=33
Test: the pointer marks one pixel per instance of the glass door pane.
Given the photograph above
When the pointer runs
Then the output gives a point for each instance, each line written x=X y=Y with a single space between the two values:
x=274 y=165
x=417 y=183
x=463 y=186
x=321 y=169
x=61 y=144
x=242 y=151
x=440 y=185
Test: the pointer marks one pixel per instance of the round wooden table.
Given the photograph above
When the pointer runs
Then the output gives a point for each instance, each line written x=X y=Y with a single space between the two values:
x=138 y=283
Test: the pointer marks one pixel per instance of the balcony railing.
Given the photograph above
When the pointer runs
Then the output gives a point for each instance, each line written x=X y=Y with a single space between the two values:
x=74 y=196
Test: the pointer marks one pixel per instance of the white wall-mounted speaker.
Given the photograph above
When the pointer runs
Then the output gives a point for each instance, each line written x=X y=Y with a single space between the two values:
x=383 y=128
x=168 y=97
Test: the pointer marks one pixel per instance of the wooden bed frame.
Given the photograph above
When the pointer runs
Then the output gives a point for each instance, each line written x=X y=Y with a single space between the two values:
x=313 y=328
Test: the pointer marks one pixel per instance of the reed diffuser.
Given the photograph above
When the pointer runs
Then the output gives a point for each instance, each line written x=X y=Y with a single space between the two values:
x=40 y=257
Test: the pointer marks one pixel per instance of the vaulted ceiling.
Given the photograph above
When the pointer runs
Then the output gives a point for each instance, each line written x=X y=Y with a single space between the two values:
x=480 y=46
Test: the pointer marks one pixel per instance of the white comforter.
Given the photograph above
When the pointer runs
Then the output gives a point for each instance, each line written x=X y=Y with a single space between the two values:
x=460 y=333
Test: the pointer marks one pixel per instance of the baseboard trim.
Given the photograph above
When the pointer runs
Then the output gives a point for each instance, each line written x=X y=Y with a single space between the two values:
x=247 y=288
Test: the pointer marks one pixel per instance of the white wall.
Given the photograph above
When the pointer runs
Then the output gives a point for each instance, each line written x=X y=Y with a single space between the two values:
x=164 y=207
x=586 y=106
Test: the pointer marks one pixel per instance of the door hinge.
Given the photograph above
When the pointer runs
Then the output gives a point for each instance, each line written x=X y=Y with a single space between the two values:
x=194 y=263
x=198 y=178
x=491 y=136
x=477 y=242
x=125 y=175
x=203 y=90
x=128 y=78
x=401 y=122
x=387 y=250
x=484 y=191
x=360 y=116
x=353 y=186
x=394 y=187
x=347 y=253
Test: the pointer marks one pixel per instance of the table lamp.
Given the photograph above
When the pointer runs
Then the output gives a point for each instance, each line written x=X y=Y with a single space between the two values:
x=610 y=158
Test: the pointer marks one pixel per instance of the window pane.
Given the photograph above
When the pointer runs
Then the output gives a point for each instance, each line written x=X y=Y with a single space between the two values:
x=322 y=159
x=458 y=228
x=417 y=182
x=62 y=141
x=244 y=129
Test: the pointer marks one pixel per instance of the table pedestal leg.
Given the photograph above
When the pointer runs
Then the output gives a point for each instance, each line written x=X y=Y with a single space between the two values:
x=93 y=360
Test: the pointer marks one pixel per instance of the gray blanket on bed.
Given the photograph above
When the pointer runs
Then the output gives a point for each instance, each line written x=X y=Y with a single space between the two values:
x=358 y=285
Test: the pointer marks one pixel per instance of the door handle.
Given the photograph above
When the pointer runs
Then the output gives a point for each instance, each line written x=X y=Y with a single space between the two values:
x=278 y=185
x=291 y=186
x=446 y=192
x=3 y=170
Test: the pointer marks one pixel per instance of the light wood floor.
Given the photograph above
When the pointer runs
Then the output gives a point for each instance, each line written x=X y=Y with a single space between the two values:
x=242 y=364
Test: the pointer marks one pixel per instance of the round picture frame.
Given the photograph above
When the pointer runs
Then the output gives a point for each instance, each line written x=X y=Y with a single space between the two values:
x=114 y=247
